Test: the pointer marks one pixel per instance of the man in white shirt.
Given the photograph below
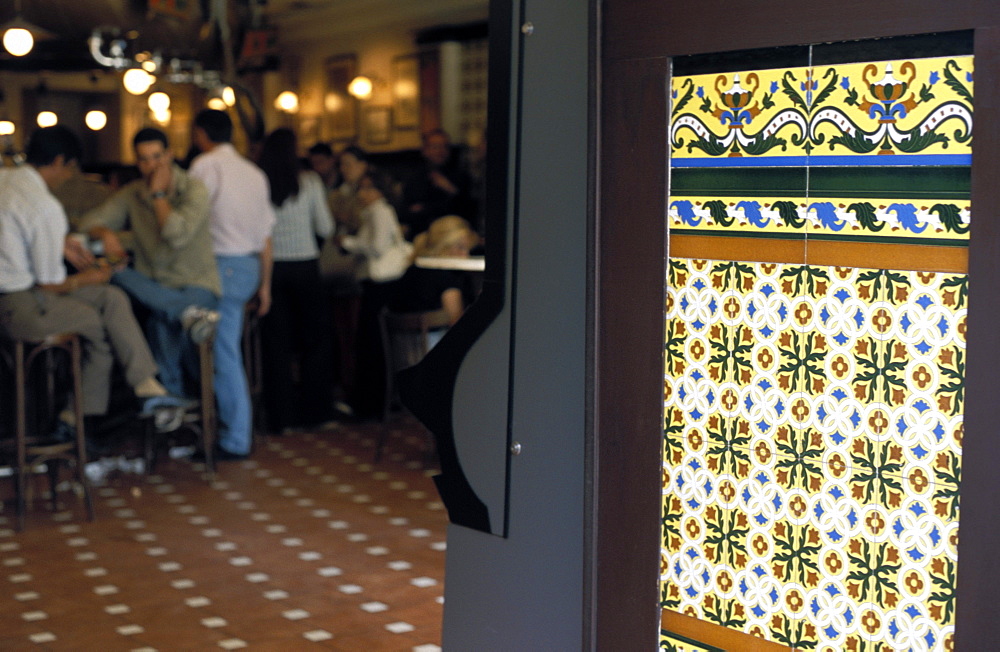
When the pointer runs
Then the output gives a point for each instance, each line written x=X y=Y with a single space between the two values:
x=38 y=299
x=241 y=223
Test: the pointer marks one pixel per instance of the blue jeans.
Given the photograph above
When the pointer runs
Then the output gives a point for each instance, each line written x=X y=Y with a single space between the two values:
x=240 y=278
x=173 y=351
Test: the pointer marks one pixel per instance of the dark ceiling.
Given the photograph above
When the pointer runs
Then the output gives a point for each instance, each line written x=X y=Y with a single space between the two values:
x=182 y=34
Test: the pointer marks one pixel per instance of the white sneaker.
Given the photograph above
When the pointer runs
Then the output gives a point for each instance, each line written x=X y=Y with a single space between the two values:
x=199 y=322
x=98 y=470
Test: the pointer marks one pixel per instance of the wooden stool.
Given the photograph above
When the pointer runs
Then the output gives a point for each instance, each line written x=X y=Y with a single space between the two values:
x=32 y=446
x=200 y=418
x=253 y=363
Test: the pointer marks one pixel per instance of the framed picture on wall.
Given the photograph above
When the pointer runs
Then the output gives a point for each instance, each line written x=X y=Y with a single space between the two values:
x=406 y=91
x=378 y=125
x=339 y=107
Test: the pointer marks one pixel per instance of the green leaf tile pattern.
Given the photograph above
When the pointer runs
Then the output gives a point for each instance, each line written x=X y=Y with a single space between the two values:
x=812 y=452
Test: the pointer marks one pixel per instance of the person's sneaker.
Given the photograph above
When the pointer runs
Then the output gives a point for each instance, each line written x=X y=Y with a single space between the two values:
x=98 y=470
x=167 y=411
x=199 y=322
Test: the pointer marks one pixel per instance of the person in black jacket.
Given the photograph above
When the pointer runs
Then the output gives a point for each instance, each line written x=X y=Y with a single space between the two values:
x=440 y=188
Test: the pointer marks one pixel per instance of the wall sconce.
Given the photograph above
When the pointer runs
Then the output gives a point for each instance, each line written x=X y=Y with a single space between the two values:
x=47 y=119
x=287 y=102
x=137 y=81
x=361 y=87
x=96 y=119
x=6 y=128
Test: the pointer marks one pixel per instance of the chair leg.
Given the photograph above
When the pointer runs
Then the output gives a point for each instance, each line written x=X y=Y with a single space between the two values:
x=19 y=497
x=207 y=368
x=76 y=360
x=21 y=431
x=148 y=444
x=383 y=436
x=52 y=470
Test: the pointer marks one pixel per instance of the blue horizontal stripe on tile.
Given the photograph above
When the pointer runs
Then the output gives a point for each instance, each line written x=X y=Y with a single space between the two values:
x=824 y=161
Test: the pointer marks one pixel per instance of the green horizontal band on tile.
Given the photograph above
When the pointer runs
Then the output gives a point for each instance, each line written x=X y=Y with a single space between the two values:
x=736 y=233
x=888 y=183
x=928 y=242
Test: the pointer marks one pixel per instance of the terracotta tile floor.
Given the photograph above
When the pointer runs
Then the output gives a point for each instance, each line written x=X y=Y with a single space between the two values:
x=307 y=545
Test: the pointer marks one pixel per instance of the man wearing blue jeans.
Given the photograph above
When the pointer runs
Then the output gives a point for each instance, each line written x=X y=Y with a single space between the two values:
x=241 y=222
x=174 y=276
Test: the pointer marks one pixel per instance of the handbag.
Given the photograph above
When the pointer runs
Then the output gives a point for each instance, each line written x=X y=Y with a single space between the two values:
x=393 y=263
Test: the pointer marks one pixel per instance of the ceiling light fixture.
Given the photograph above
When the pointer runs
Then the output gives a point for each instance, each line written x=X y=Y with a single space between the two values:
x=19 y=35
x=47 y=119
x=158 y=102
x=96 y=119
x=137 y=81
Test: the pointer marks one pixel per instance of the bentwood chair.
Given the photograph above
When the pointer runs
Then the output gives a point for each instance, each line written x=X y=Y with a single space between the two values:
x=37 y=371
x=405 y=341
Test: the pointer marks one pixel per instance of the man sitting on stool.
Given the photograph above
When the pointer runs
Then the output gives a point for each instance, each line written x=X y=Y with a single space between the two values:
x=174 y=274
x=38 y=299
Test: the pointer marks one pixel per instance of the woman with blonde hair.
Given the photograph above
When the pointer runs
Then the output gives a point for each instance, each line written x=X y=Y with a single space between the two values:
x=424 y=289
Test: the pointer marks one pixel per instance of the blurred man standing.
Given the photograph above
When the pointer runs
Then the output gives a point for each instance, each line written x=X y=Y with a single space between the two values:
x=241 y=222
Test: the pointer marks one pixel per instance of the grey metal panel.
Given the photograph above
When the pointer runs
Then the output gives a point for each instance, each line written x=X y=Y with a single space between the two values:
x=480 y=418
x=525 y=591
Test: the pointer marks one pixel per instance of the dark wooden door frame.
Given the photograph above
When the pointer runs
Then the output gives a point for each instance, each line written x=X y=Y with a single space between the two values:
x=637 y=40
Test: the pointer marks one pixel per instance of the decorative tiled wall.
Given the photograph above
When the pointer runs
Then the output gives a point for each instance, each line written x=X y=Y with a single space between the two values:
x=813 y=412
x=829 y=121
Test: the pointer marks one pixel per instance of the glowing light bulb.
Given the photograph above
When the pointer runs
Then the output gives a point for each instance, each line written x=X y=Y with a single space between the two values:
x=162 y=117
x=137 y=81
x=217 y=104
x=361 y=87
x=18 y=41
x=287 y=101
x=6 y=127
x=228 y=95
x=47 y=119
x=96 y=119
x=158 y=102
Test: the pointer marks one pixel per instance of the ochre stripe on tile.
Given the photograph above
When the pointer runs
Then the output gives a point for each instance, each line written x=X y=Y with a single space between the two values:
x=915 y=258
x=717 y=635
x=755 y=250
x=822 y=252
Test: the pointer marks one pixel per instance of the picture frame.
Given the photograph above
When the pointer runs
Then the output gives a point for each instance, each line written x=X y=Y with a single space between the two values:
x=406 y=91
x=340 y=112
x=378 y=125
